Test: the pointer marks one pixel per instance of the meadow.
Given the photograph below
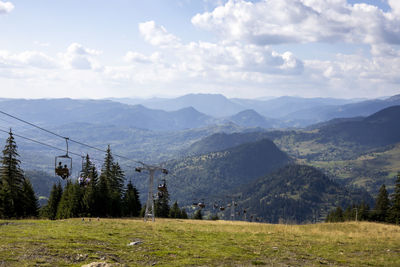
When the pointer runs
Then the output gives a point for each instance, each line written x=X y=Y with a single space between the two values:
x=168 y=242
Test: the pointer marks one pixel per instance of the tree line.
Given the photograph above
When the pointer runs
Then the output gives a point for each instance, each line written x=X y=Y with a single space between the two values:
x=387 y=208
x=92 y=195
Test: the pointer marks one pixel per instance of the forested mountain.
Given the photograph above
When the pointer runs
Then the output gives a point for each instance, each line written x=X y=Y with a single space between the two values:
x=250 y=118
x=219 y=172
x=379 y=129
x=222 y=141
x=296 y=194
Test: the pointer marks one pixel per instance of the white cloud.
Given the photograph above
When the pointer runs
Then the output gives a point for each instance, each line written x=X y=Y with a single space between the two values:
x=26 y=59
x=135 y=57
x=395 y=6
x=157 y=35
x=6 y=7
x=79 y=57
x=198 y=58
x=301 y=21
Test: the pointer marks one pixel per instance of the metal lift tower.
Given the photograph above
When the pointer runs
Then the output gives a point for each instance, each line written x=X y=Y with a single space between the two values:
x=149 y=213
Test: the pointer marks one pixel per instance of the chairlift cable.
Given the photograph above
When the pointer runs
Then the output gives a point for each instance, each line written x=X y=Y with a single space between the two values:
x=44 y=144
x=64 y=137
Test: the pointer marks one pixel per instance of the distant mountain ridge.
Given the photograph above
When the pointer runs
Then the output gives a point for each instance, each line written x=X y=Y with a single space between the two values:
x=250 y=118
x=286 y=111
x=63 y=111
x=380 y=129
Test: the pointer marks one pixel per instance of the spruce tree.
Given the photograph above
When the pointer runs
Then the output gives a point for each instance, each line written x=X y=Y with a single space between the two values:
x=382 y=205
x=183 y=214
x=161 y=206
x=175 y=212
x=198 y=215
x=90 y=195
x=30 y=201
x=12 y=179
x=116 y=189
x=131 y=201
x=50 y=210
x=110 y=186
x=394 y=212
x=70 y=203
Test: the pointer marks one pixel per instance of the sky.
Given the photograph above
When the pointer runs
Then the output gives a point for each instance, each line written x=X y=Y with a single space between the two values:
x=238 y=48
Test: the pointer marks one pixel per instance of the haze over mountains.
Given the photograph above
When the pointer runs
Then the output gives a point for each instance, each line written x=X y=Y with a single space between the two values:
x=235 y=148
x=271 y=113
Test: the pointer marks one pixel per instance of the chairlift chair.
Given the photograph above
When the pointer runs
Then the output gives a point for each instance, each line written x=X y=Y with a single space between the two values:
x=63 y=164
x=162 y=187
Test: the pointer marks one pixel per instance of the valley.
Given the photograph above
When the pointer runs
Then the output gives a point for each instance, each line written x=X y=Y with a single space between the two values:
x=210 y=159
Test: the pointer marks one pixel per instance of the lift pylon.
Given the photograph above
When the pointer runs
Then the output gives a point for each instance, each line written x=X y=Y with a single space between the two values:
x=149 y=212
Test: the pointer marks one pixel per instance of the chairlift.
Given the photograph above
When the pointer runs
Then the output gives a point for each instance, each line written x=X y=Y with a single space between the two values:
x=63 y=164
x=82 y=180
x=162 y=187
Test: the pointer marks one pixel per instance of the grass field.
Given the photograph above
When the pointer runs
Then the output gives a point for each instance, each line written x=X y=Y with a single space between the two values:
x=196 y=243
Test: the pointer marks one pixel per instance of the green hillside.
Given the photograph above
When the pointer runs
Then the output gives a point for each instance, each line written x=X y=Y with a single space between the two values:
x=222 y=141
x=296 y=194
x=219 y=172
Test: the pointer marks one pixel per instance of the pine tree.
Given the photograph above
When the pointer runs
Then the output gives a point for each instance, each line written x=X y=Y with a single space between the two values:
x=198 y=215
x=335 y=215
x=394 y=212
x=90 y=195
x=131 y=201
x=382 y=205
x=30 y=201
x=184 y=214
x=50 y=210
x=12 y=179
x=116 y=189
x=364 y=212
x=161 y=206
x=175 y=212
x=110 y=186
x=70 y=203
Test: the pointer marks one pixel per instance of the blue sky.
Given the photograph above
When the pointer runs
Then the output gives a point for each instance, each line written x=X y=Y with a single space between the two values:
x=158 y=48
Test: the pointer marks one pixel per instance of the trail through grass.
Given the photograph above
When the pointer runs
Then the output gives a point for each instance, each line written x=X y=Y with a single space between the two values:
x=192 y=243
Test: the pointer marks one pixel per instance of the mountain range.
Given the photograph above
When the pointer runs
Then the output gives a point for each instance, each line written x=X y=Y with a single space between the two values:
x=284 y=111
x=209 y=157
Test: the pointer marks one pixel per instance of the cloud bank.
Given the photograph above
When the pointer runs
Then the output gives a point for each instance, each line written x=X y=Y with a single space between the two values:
x=6 y=7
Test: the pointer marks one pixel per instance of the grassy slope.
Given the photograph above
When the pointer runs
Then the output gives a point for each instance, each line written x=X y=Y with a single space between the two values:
x=369 y=171
x=180 y=243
